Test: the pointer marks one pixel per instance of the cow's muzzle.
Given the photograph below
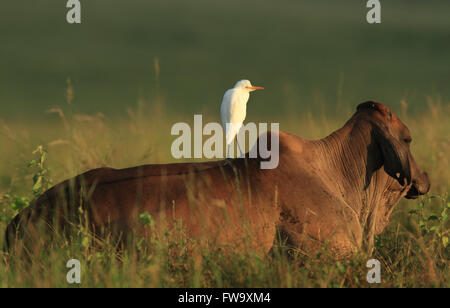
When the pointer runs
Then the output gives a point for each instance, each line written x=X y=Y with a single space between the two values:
x=419 y=187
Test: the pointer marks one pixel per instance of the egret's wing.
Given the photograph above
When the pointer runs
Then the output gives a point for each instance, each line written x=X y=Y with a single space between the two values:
x=233 y=112
x=225 y=109
x=239 y=107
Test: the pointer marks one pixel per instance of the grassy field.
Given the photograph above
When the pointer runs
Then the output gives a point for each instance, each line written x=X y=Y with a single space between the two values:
x=138 y=67
x=413 y=250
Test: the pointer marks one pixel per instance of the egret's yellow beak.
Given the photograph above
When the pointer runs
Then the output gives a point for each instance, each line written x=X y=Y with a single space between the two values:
x=255 y=88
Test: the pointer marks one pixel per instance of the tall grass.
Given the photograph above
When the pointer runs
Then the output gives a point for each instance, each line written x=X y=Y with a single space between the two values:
x=413 y=250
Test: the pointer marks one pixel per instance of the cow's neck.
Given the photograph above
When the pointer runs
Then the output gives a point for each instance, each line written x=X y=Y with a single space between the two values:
x=350 y=160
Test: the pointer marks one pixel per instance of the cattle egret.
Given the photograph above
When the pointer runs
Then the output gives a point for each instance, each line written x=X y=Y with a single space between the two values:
x=234 y=109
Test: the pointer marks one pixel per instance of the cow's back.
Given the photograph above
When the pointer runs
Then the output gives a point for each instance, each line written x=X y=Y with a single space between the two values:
x=223 y=202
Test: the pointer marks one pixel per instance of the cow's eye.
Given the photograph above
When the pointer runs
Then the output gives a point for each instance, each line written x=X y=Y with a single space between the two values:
x=407 y=140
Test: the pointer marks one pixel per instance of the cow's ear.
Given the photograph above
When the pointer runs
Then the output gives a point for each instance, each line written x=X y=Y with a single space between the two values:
x=395 y=154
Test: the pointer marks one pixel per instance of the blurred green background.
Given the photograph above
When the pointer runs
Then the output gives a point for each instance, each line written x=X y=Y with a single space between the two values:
x=308 y=54
x=147 y=64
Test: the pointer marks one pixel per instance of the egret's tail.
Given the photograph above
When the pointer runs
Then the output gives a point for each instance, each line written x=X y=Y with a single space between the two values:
x=232 y=130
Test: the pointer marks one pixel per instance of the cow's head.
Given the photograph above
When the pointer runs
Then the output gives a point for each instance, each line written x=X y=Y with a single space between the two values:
x=393 y=139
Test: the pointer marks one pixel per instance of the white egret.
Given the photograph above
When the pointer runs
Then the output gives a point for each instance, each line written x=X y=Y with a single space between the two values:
x=234 y=109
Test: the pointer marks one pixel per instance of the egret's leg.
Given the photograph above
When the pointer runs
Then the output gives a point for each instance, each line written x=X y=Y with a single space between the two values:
x=240 y=150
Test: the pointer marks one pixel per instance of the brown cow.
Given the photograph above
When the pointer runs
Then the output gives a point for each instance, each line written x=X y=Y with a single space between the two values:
x=338 y=190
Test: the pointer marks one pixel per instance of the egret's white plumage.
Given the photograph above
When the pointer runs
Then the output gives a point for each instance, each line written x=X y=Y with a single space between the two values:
x=234 y=109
